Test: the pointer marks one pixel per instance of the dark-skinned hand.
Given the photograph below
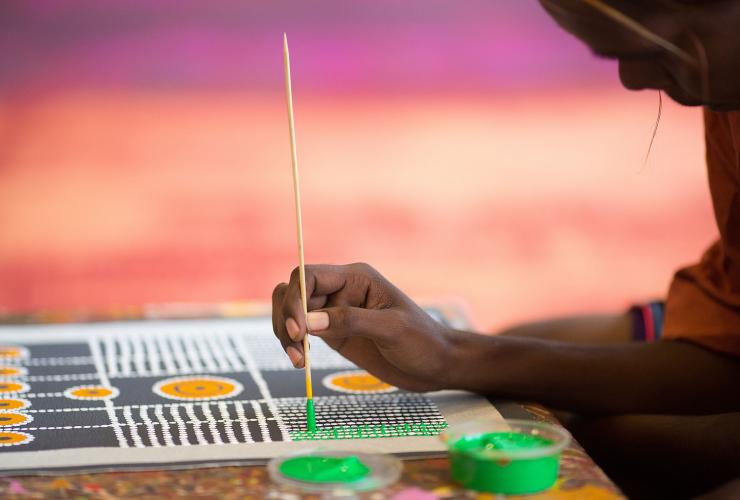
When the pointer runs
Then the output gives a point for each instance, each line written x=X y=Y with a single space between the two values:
x=367 y=320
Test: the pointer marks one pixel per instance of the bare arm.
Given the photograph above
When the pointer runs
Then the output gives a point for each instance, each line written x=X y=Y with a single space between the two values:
x=368 y=320
x=596 y=328
x=665 y=377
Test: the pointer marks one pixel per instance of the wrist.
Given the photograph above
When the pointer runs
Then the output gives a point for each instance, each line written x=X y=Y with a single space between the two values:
x=470 y=357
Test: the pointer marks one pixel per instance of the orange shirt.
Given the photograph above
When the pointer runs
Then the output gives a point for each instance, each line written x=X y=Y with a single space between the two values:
x=703 y=304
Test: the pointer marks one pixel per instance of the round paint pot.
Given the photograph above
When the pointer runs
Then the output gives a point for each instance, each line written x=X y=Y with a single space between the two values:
x=324 y=470
x=514 y=457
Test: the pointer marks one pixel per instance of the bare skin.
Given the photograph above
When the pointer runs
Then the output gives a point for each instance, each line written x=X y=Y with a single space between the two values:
x=704 y=30
x=375 y=325
x=591 y=329
x=680 y=397
x=627 y=390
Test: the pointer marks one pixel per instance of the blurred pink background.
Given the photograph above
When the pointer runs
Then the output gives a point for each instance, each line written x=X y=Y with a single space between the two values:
x=467 y=149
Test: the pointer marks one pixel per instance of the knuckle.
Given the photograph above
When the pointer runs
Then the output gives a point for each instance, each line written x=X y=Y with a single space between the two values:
x=295 y=273
x=342 y=318
x=362 y=267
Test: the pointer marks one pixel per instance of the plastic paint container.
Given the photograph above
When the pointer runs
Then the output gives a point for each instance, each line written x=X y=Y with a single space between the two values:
x=515 y=457
x=325 y=470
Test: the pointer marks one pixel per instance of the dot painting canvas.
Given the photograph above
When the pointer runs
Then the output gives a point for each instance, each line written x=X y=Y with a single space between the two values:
x=185 y=393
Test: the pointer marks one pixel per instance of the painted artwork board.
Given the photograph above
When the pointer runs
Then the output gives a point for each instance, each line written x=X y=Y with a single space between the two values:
x=186 y=393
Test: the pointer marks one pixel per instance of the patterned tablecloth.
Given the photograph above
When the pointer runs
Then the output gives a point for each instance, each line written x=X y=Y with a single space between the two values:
x=579 y=477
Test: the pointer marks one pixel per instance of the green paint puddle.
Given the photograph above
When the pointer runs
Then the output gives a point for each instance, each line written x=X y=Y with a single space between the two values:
x=370 y=431
x=325 y=469
x=500 y=441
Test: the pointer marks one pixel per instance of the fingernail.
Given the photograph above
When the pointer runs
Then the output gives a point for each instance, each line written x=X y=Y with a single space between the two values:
x=317 y=321
x=294 y=355
x=294 y=330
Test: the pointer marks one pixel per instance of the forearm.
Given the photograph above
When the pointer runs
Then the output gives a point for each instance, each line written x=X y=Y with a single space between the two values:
x=665 y=377
x=596 y=328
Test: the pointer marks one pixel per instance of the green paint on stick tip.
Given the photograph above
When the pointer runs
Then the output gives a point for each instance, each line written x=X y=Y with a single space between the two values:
x=370 y=431
x=325 y=469
x=310 y=416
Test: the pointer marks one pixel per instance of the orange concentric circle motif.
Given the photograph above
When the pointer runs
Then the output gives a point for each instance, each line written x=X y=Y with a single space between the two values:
x=356 y=382
x=13 y=404
x=12 y=371
x=13 y=352
x=14 y=438
x=197 y=387
x=91 y=392
x=13 y=387
x=12 y=419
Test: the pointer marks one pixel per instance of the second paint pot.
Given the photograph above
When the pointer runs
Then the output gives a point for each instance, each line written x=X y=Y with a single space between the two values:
x=514 y=457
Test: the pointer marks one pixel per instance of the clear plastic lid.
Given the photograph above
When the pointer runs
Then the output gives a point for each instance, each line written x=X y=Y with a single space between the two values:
x=553 y=439
x=324 y=469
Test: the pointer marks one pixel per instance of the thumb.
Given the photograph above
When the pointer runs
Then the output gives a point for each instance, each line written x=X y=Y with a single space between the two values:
x=333 y=323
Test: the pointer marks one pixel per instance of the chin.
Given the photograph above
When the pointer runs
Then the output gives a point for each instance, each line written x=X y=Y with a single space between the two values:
x=683 y=99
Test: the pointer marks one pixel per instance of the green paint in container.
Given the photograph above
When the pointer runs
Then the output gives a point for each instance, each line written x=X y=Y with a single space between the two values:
x=515 y=457
x=323 y=470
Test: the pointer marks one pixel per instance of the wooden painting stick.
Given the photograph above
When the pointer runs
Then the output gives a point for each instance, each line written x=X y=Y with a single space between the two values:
x=310 y=410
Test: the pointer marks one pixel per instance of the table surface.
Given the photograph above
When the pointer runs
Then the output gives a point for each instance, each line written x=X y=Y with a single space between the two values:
x=579 y=476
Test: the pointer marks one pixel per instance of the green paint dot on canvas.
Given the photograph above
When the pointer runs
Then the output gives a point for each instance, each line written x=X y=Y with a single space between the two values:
x=370 y=431
x=318 y=469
